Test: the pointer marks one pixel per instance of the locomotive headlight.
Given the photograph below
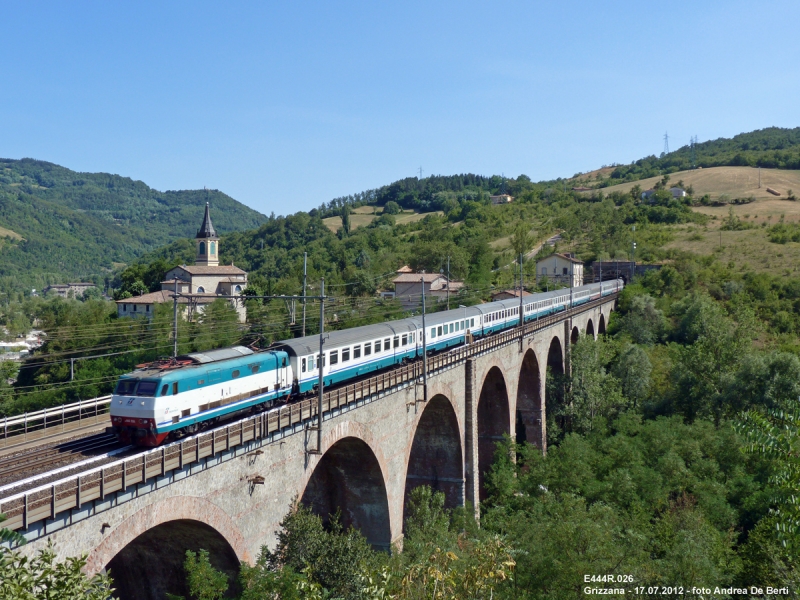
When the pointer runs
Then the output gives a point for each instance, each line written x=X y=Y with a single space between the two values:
x=142 y=402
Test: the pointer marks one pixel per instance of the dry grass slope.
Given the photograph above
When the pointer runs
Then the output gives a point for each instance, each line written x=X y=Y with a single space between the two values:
x=736 y=182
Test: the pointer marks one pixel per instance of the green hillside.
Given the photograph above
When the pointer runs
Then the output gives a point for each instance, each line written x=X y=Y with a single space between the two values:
x=58 y=225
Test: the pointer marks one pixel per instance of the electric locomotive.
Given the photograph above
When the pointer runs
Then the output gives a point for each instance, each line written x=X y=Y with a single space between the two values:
x=172 y=398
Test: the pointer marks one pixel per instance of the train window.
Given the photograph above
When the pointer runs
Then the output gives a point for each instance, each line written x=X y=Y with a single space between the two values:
x=405 y=340
x=412 y=338
x=345 y=354
x=433 y=332
x=396 y=342
x=367 y=348
x=175 y=388
x=255 y=368
x=164 y=389
x=356 y=351
x=126 y=387
x=303 y=365
x=334 y=357
x=472 y=322
x=439 y=330
x=201 y=381
x=235 y=373
x=452 y=328
x=310 y=363
x=147 y=388
x=284 y=361
x=387 y=344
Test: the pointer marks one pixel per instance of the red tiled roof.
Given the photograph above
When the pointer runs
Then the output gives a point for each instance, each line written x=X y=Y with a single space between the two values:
x=219 y=270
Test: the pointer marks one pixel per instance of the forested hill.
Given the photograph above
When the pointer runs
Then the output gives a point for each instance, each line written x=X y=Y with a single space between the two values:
x=773 y=148
x=58 y=225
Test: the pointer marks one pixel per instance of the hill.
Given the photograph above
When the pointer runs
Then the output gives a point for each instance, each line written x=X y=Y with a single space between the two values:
x=770 y=148
x=733 y=182
x=58 y=225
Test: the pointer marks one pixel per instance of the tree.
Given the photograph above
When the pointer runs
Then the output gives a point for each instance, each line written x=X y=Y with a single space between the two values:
x=775 y=433
x=521 y=239
x=205 y=582
x=633 y=370
x=391 y=208
x=345 y=219
x=643 y=321
x=42 y=578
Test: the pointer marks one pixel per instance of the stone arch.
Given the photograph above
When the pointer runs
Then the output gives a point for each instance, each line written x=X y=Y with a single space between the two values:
x=151 y=545
x=493 y=420
x=348 y=478
x=574 y=335
x=436 y=458
x=590 y=328
x=601 y=326
x=529 y=402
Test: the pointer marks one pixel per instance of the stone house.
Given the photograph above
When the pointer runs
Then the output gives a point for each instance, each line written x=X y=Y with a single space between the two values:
x=560 y=268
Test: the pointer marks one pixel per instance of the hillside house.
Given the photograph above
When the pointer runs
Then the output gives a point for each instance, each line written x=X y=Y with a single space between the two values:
x=501 y=199
x=508 y=295
x=68 y=290
x=560 y=268
x=408 y=288
x=675 y=191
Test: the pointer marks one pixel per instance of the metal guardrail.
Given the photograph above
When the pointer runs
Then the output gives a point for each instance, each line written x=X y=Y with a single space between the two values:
x=35 y=424
x=47 y=501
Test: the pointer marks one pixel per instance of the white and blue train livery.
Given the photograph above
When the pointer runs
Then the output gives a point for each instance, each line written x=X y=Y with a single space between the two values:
x=172 y=398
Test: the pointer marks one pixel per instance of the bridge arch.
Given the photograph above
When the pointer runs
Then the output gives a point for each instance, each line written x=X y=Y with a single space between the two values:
x=590 y=328
x=436 y=458
x=554 y=383
x=601 y=327
x=493 y=420
x=529 y=426
x=349 y=478
x=151 y=545
x=574 y=335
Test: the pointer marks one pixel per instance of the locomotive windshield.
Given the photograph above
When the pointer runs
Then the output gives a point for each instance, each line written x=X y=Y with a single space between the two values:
x=147 y=388
x=126 y=387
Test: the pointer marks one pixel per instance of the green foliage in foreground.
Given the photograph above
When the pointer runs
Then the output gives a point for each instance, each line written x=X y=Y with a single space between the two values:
x=43 y=578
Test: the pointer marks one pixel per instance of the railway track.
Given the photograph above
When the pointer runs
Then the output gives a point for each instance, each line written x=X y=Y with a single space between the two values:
x=39 y=460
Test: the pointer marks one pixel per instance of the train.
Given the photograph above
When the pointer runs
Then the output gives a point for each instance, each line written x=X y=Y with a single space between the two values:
x=169 y=399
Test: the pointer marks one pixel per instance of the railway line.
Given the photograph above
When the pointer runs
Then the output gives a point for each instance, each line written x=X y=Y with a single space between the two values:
x=43 y=459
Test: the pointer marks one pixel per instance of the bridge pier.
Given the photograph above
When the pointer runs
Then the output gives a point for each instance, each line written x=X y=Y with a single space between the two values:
x=471 y=478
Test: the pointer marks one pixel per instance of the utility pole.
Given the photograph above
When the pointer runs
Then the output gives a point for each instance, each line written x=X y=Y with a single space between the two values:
x=448 y=283
x=521 y=292
x=175 y=323
x=305 y=276
x=424 y=345
x=320 y=362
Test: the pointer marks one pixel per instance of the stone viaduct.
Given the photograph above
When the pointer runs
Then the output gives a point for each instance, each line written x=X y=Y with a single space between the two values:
x=373 y=453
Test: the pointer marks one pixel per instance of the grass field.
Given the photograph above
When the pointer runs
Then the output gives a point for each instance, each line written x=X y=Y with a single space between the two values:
x=10 y=234
x=736 y=182
x=749 y=249
x=364 y=215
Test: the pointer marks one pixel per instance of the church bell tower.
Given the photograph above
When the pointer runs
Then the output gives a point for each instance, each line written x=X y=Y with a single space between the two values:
x=207 y=243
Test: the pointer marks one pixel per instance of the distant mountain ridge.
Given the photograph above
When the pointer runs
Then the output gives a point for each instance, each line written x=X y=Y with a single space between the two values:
x=78 y=225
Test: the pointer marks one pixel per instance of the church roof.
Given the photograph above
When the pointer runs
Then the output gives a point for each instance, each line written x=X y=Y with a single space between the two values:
x=206 y=228
x=211 y=270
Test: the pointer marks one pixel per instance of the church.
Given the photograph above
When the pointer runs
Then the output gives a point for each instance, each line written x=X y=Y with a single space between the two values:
x=206 y=280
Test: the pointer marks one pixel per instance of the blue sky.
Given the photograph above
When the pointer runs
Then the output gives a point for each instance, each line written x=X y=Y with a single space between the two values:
x=286 y=105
